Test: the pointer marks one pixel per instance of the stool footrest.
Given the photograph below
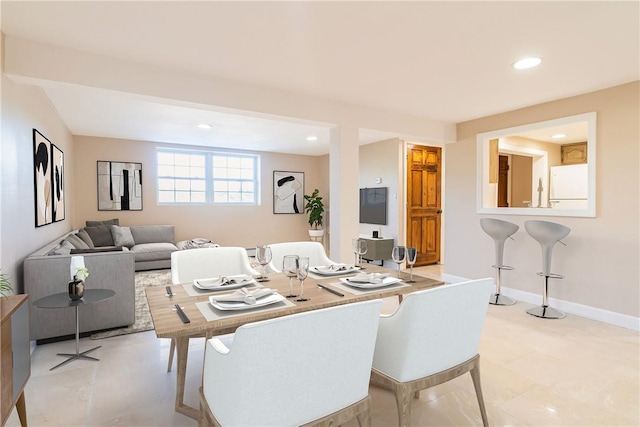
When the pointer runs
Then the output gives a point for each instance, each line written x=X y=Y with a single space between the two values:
x=551 y=275
x=502 y=267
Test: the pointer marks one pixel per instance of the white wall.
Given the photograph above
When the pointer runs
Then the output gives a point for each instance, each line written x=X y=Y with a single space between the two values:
x=601 y=259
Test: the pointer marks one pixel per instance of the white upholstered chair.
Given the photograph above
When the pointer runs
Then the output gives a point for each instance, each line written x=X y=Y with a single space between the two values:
x=312 y=250
x=310 y=368
x=191 y=264
x=432 y=338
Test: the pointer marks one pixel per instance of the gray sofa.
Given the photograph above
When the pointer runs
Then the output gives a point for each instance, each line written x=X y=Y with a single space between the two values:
x=112 y=265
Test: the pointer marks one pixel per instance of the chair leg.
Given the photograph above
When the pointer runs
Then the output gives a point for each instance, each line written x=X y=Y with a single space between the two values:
x=172 y=349
x=403 y=401
x=475 y=376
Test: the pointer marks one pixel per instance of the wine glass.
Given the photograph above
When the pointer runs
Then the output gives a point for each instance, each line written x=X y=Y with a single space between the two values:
x=359 y=248
x=412 y=254
x=263 y=256
x=302 y=272
x=289 y=269
x=398 y=255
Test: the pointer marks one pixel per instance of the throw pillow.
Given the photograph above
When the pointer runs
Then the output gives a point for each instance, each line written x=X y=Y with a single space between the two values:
x=100 y=236
x=122 y=236
x=109 y=222
x=64 y=249
x=76 y=242
x=85 y=238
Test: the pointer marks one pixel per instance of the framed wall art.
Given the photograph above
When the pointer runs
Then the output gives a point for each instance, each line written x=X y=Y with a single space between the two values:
x=288 y=192
x=57 y=183
x=119 y=186
x=42 y=179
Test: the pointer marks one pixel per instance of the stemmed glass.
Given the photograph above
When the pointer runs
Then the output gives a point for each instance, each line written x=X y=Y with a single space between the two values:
x=412 y=254
x=290 y=270
x=398 y=255
x=263 y=256
x=302 y=272
x=359 y=248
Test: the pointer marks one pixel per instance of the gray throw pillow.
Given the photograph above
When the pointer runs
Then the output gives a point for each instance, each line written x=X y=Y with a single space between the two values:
x=76 y=242
x=85 y=238
x=100 y=236
x=122 y=236
x=64 y=249
x=109 y=222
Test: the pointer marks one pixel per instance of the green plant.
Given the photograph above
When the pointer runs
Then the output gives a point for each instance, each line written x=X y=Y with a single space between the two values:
x=315 y=208
x=5 y=286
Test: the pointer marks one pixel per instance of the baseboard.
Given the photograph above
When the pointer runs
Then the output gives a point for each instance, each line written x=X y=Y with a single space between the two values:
x=593 y=313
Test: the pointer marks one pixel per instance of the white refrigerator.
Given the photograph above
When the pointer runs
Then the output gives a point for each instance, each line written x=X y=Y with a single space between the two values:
x=569 y=186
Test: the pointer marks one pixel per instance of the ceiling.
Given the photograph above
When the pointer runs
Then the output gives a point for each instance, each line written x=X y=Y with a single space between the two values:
x=444 y=61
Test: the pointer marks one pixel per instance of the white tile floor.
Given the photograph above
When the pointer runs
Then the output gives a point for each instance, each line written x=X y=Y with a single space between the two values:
x=535 y=372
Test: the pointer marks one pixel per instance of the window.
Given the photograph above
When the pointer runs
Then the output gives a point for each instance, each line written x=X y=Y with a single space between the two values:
x=201 y=177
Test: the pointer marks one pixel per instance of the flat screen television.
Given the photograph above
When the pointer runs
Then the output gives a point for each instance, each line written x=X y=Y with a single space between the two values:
x=373 y=205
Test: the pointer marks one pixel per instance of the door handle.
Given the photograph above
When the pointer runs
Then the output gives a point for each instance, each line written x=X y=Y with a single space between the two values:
x=439 y=211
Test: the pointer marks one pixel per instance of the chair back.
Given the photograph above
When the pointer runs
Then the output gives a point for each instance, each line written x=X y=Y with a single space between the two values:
x=294 y=369
x=547 y=234
x=312 y=250
x=432 y=330
x=499 y=231
x=191 y=264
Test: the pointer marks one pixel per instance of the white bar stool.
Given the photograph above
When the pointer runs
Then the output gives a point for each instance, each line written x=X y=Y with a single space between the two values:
x=547 y=234
x=499 y=231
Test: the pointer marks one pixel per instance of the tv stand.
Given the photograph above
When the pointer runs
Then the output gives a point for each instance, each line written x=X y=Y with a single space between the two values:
x=378 y=249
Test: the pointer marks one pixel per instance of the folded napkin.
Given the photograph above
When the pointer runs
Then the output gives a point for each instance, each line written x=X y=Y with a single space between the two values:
x=222 y=281
x=245 y=295
x=367 y=278
x=340 y=267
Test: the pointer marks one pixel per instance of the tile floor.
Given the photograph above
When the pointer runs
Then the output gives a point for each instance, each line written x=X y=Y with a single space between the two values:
x=535 y=372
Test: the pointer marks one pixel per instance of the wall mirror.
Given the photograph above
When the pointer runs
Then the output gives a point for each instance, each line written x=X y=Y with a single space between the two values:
x=546 y=168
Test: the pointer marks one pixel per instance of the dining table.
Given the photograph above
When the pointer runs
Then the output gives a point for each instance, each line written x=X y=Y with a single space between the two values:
x=206 y=321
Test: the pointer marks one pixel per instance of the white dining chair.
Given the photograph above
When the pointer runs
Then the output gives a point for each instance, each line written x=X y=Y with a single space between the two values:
x=192 y=264
x=309 y=368
x=312 y=250
x=432 y=338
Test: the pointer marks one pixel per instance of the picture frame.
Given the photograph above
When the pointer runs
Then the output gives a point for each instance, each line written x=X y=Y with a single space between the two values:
x=119 y=186
x=42 y=179
x=57 y=183
x=288 y=192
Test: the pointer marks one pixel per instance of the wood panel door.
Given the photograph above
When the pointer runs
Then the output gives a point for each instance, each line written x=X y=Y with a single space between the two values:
x=424 y=202
x=503 y=182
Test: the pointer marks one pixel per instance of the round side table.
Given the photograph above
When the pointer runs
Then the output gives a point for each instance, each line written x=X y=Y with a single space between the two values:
x=62 y=300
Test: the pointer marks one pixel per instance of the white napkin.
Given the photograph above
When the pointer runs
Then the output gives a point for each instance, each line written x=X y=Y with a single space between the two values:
x=367 y=278
x=222 y=281
x=340 y=267
x=245 y=295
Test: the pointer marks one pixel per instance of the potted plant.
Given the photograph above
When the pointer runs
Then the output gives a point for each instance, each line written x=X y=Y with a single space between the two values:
x=5 y=286
x=315 y=209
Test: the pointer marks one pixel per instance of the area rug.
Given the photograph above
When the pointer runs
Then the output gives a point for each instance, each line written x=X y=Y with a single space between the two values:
x=143 y=279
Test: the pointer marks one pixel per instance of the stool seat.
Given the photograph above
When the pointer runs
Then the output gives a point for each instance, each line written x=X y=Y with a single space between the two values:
x=547 y=234
x=499 y=231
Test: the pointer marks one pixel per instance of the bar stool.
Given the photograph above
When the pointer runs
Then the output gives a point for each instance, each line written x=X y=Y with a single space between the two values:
x=547 y=234
x=499 y=230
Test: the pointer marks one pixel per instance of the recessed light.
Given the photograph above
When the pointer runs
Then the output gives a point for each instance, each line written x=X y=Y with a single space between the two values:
x=559 y=135
x=204 y=126
x=312 y=138
x=526 y=63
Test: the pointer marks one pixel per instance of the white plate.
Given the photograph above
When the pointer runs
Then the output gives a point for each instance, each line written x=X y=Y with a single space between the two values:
x=214 y=283
x=326 y=271
x=238 y=305
x=387 y=281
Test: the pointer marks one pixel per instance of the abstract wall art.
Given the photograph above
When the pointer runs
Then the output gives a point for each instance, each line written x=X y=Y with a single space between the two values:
x=42 y=179
x=119 y=186
x=288 y=192
x=57 y=183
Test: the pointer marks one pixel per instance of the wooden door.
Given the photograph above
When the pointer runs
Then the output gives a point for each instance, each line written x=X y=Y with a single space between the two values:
x=503 y=182
x=424 y=202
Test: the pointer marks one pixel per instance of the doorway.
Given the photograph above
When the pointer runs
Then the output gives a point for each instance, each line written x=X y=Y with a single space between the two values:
x=424 y=208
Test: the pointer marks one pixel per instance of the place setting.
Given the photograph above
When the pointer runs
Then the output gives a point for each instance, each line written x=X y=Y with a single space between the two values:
x=241 y=300
x=222 y=283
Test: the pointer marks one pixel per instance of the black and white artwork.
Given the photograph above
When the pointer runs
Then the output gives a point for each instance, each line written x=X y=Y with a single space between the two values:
x=288 y=192
x=119 y=186
x=57 y=183
x=42 y=179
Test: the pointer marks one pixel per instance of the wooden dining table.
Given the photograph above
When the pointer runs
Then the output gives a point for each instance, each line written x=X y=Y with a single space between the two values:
x=167 y=322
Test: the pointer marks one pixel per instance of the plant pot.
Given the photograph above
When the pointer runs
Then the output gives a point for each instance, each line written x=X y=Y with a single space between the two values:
x=316 y=235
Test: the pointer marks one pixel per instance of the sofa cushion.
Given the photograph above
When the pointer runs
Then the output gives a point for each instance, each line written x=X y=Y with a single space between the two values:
x=108 y=222
x=100 y=236
x=97 y=250
x=153 y=251
x=122 y=236
x=152 y=234
x=76 y=241
x=86 y=238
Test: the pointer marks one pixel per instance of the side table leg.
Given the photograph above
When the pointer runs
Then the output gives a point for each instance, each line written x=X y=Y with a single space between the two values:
x=71 y=357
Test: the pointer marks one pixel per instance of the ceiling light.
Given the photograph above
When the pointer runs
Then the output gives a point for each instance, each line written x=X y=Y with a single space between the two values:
x=204 y=126
x=312 y=138
x=559 y=135
x=526 y=63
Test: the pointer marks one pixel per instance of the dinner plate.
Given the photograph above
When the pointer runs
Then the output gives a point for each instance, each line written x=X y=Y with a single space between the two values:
x=387 y=281
x=326 y=271
x=239 y=305
x=216 y=284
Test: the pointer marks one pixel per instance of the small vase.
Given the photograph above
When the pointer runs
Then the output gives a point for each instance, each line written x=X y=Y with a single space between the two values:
x=76 y=289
